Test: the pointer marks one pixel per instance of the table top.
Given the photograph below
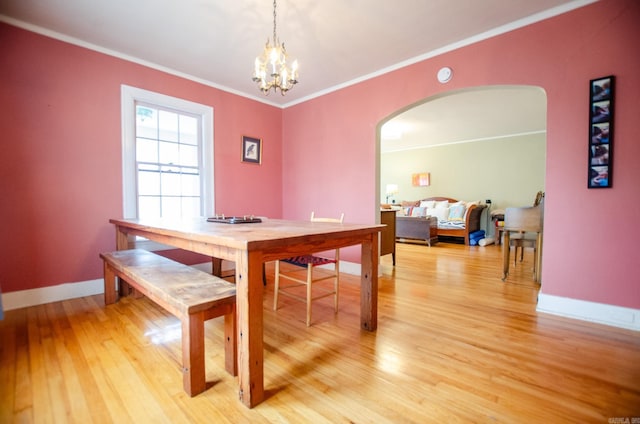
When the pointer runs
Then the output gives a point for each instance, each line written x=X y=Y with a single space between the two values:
x=250 y=236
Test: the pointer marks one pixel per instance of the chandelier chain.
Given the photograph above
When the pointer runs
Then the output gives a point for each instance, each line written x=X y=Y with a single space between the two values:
x=274 y=22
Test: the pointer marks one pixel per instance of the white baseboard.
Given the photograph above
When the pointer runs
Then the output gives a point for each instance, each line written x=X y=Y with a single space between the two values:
x=32 y=297
x=616 y=316
x=39 y=296
x=350 y=268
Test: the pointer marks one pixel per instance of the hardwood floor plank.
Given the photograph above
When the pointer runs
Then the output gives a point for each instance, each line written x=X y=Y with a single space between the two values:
x=11 y=363
x=454 y=344
x=38 y=332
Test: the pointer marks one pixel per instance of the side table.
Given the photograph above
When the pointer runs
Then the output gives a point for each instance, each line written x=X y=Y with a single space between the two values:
x=388 y=234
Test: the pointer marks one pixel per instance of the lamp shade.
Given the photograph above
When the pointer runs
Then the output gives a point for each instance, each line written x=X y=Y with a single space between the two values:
x=392 y=189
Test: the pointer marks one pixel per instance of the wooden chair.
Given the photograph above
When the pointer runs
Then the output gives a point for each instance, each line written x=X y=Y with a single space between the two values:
x=526 y=239
x=310 y=262
x=520 y=240
x=521 y=225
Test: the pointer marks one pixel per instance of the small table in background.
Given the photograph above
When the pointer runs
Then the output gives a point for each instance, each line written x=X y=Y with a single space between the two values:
x=388 y=234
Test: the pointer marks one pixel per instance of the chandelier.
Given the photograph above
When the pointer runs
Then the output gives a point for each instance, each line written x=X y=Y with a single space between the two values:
x=271 y=71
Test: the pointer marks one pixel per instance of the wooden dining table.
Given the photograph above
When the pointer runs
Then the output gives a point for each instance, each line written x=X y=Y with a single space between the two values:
x=250 y=245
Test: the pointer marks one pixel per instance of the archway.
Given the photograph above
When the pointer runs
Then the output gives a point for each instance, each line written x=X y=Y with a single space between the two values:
x=476 y=143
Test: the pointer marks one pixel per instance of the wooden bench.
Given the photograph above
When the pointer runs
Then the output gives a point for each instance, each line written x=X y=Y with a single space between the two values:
x=191 y=295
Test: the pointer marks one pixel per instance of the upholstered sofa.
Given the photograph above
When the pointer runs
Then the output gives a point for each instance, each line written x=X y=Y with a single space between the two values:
x=455 y=218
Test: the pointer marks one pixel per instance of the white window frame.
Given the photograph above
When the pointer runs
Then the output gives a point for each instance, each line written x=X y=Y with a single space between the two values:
x=129 y=97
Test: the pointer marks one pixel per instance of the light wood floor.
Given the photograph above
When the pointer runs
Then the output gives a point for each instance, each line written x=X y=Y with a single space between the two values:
x=454 y=344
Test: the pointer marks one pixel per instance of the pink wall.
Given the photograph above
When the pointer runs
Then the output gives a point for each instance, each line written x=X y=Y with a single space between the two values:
x=60 y=167
x=587 y=256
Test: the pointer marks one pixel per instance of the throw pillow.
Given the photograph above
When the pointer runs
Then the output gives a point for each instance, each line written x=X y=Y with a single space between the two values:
x=418 y=211
x=442 y=204
x=429 y=204
x=441 y=213
x=456 y=212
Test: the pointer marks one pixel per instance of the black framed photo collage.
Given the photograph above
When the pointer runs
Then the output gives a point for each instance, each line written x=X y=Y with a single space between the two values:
x=600 y=132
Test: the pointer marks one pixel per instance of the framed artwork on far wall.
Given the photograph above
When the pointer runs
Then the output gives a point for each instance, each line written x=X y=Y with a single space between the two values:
x=251 y=149
x=422 y=179
x=600 y=132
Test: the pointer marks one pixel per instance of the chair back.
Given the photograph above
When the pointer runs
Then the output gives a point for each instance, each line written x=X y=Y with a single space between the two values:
x=539 y=198
x=315 y=218
x=527 y=219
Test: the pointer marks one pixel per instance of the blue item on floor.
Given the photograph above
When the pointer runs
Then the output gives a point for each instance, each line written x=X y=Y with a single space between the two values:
x=475 y=237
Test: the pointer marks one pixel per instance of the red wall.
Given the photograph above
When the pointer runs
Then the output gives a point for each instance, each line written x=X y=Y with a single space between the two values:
x=590 y=248
x=60 y=166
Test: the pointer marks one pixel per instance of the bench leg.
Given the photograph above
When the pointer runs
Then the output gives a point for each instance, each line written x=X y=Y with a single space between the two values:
x=109 y=284
x=230 y=342
x=193 y=372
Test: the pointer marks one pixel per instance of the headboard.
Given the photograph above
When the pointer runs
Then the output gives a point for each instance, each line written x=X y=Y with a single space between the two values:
x=440 y=199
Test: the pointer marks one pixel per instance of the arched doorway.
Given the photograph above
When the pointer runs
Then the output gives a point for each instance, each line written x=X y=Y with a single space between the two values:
x=476 y=143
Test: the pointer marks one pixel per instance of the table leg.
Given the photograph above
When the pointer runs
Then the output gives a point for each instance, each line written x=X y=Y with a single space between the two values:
x=369 y=284
x=538 y=257
x=122 y=240
x=122 y=243
x=505 y=255
x=216 y=267
x=249 y=297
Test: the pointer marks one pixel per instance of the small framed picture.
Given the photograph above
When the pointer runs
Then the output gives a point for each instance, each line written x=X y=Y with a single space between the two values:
x=251 y=149
x=420 y=180
x=601 y=98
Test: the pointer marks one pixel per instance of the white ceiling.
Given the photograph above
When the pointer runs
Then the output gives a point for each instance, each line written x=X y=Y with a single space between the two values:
x=336 y=42
x=469 y=115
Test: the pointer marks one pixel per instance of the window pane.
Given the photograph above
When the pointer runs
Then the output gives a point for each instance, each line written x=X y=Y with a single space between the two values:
x=188 y=130
x=148 y=183
x=148 y=207
x=191 y=207
x=170 y=184
x=190 y=185
x=171 y=207
x=188 y=155
x=146 y=150
x=168 y=125
x=146 y=122
x=169 y=153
